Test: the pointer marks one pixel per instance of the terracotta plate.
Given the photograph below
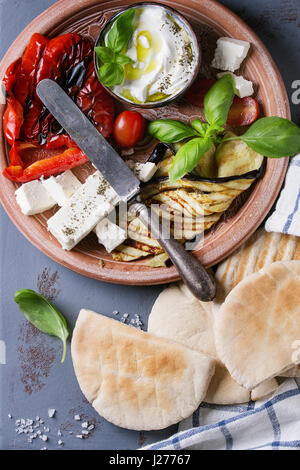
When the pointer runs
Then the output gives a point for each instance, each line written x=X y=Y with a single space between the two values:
x=210 y=20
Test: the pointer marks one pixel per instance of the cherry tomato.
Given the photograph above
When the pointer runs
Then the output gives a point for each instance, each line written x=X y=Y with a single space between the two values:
x=195 y=95
x=129 y=128
x=243 y=111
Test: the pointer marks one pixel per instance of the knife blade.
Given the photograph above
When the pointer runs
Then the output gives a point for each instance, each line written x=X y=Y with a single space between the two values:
x=89 y=139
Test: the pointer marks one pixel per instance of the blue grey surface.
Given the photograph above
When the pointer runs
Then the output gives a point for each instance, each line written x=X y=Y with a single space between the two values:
x=33 y=380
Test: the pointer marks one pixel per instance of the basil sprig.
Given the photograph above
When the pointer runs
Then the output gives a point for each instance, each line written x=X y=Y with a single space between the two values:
x=43 y=315
x=111 y=72
x=270 y=136
x=273 y=137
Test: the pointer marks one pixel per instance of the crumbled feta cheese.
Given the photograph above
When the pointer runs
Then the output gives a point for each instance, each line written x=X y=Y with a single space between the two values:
x=51 y=412
x=230 y=53
x=62 y=187
x=109 y=234
x=33 y=198
x=243 y=87
x=79 y=216
x=143 y=171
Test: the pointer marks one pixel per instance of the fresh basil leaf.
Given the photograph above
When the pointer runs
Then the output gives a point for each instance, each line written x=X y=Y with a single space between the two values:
x=43 y=315
x=111 y=74
x=218 y=100
x=273 y=137
x=123 y=59
x=105 y=54
x=187 y=157
x=170 y=131
x=121 y=31
x=201 y=127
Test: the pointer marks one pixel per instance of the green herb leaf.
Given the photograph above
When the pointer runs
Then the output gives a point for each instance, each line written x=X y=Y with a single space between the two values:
x=201 y=127
x=111 y=74
x=105 y=54
x=43 y=315
x=121 y=31
x=123 y=59
x=187 y=157
x=273 y=137
x=170 y=131
x=218 y=100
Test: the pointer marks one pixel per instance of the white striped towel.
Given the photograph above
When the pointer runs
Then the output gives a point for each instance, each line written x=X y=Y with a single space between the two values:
x=272 y=423
x=286 y=217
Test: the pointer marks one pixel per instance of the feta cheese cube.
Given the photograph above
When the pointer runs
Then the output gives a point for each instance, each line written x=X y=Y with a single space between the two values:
x=109 y=234
x=230 y=53
x=33 y=198
x=62 y=187
x=143 y=171
x=81 y=213
x=243 y=87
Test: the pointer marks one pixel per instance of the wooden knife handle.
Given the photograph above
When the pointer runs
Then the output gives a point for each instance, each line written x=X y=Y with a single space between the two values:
x=195 y=276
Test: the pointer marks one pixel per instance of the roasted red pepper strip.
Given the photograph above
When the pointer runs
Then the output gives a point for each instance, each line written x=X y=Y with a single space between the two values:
x=96 y=103
x=58 y=51
x=58 y=141
x=49 y=166
x=31 y=58
x=10 y=76
x=12 y=120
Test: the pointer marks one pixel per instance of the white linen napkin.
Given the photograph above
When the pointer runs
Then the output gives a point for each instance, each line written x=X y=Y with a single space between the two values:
x=286 y=217
x=272 y=423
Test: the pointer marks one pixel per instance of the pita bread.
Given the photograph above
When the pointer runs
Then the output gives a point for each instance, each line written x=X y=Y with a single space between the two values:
x=133 y=379
x=179 y=316
x=260 y=250
x=257 y=326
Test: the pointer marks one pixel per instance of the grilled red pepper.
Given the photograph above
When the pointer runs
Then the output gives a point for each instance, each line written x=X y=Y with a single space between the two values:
x=18 y=172
x=28 y=125
x=12 y=120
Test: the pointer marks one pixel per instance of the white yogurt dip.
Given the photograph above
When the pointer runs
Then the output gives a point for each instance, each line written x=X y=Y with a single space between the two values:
x=163 y=57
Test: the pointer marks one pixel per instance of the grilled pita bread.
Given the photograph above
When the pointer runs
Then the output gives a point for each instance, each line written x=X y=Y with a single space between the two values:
x=260 y=250
x=257 y=326
x=133 y=379
x=179 y=316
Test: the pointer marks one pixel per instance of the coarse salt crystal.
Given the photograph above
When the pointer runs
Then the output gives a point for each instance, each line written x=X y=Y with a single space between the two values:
x=51 y=412
x=77 y=417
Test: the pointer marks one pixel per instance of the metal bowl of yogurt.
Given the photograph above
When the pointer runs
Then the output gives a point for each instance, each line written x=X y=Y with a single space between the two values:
x=165 y=56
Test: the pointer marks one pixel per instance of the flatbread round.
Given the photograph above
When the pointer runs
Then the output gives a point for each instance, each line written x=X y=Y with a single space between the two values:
x=261 y=249
x=257 y=326
x=133 y=379
x=179 y=316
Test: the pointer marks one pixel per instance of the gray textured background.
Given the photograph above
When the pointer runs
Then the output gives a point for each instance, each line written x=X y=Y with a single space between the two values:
x=33 y=378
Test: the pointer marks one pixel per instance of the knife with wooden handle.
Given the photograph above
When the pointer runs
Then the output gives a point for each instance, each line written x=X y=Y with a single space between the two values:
x=124 y=182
